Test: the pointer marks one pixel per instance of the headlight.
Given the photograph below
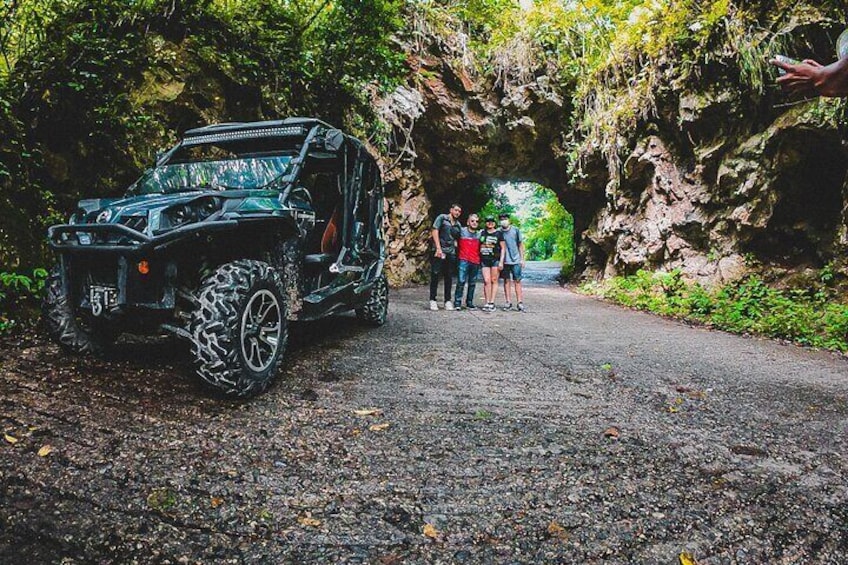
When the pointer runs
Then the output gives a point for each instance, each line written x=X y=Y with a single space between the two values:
x=188 y=213
x=77 y=216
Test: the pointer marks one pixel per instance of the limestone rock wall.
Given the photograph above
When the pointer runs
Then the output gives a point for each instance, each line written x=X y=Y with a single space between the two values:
x=770 y=201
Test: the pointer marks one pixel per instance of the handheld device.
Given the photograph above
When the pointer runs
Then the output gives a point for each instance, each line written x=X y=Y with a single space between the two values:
x=842 y=45
x=787 y=60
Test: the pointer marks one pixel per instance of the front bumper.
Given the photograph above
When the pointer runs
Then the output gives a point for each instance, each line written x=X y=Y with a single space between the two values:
x=107 y=256
x=121 y=276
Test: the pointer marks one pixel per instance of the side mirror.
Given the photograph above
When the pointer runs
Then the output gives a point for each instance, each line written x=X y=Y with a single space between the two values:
x=333 y=140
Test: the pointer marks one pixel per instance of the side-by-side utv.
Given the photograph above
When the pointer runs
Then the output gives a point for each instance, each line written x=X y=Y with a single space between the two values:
x=237 y=230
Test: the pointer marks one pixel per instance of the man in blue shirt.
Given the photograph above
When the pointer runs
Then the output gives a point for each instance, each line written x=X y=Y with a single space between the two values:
x=512 y=262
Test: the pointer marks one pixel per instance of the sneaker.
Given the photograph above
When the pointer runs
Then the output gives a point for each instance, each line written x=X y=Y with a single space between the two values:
x=457 y=306
x=434 y=306
x=470 y=306
x=448 y=305
x=507 y=306
x=487 y=307
x=521 y=307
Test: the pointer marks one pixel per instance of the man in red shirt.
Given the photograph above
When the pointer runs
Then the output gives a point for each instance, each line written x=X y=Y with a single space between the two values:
x=469 y=263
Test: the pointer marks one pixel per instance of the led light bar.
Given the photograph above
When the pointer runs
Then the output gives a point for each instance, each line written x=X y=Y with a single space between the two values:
x=289 y=131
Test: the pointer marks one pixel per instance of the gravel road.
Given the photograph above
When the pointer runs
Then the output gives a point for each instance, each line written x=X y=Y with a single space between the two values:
x=577 y=432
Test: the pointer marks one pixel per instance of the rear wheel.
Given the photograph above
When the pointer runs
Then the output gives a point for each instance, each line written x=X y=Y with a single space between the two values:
x=375 y=310
x=72 y=332
x=239 y=329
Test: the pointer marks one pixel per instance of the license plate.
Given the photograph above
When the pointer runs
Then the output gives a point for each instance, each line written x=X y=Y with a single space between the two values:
x=102 y=298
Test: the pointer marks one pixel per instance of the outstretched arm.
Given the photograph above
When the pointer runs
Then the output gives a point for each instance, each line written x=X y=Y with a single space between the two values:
x=810 y=78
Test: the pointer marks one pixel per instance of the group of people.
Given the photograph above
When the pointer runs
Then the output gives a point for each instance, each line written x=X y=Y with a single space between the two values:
x=467 y=250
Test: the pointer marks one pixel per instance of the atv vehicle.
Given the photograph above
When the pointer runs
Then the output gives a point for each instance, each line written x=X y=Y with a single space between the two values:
x=236 y=231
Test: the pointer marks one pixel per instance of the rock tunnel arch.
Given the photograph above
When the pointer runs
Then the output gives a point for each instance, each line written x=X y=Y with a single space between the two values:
x=457 y=136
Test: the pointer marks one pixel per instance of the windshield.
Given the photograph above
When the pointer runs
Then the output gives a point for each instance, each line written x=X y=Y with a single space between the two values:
x=244 y=173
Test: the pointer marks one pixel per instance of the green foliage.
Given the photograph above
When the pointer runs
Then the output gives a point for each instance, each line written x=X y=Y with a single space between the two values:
x=814 y=318
x=89 y=91
x=19 y=296
x=497 y=204
x=548 y=228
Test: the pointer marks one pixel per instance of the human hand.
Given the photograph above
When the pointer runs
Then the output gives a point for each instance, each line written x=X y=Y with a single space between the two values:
x=439 y=254
x=804 y=78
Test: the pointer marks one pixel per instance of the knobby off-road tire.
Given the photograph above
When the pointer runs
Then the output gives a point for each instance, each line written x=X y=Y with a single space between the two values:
x=375 y=310
x=63 y=325
x=239 y=330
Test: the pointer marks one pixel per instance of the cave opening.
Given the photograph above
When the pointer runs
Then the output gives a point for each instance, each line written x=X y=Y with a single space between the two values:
x=806 y=217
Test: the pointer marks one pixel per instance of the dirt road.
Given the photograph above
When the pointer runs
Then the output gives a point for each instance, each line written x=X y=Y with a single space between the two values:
x=577 y=432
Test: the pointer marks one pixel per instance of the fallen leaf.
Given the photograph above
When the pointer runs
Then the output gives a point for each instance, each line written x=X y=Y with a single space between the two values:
x=378 y=427
x=45 y=451
x=687 y=559
x=368 y=412
x=11 y=439
x=430 y=531
x=673 y=409
x=216 y=502
x=612 y=432
x=308 y=521
x=557 y=531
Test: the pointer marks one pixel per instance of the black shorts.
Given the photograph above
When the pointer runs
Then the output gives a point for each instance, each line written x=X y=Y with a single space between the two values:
x=489 y=262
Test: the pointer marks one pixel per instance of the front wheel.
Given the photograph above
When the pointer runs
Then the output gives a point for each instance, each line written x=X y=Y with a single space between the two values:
x=375 y=310
x=239 y=329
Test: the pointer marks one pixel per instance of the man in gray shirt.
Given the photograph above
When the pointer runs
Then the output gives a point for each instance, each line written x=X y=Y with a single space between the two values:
x=444 y=233
x=512 y=262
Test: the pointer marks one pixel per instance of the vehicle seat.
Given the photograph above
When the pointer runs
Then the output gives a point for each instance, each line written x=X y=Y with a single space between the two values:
x=331 y=241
